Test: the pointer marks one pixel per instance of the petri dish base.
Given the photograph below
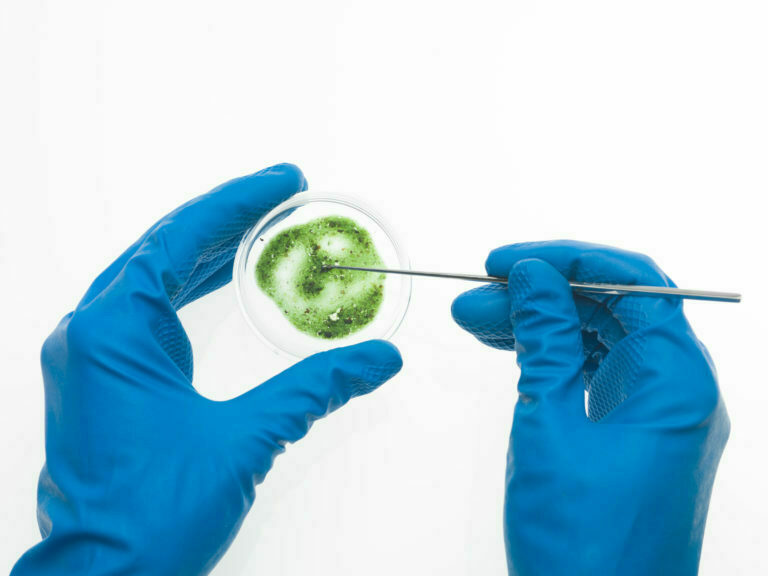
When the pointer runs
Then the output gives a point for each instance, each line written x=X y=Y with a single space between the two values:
x=264 y=315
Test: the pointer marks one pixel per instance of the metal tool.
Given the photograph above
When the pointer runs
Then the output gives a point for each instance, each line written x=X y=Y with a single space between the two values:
x=614 y=289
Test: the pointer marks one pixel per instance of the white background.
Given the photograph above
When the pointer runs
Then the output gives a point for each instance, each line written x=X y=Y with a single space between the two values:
x=470 y=125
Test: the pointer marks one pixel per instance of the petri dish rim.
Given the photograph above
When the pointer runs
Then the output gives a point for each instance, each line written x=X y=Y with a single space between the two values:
x=240 y=272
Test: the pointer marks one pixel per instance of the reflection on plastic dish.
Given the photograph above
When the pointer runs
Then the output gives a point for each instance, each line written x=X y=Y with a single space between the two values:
x=271 y=317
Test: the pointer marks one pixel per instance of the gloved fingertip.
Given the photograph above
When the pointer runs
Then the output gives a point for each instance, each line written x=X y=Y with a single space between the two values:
x=367 y=365
x=462 y=308
x=380 y=352
x=479 y=305
x=484 y=313
x=372 y=351
x=290 y=176
x=534 y=282
x=388 y=362
x=501 y=259
x=493 y=260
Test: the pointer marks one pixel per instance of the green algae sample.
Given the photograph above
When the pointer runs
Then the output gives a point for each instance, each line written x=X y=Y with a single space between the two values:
x=320 y=302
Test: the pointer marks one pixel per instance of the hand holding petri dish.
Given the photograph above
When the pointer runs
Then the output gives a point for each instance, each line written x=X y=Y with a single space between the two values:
x=294 y=302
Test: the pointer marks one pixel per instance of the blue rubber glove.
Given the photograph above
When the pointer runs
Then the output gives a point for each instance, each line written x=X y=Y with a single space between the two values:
x=143 y=475
x=623 y=487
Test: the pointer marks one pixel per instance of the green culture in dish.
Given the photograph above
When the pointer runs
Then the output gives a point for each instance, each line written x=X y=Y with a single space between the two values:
x=322 y=303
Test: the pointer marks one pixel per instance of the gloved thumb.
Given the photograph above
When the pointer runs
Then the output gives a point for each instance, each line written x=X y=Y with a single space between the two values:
x=547 y=337
x=282 y=409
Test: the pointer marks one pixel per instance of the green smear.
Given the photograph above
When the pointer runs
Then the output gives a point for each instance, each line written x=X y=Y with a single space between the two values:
x=323 y=303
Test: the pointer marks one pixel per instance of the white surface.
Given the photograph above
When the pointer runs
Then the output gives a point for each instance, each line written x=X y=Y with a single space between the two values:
x=636 y=124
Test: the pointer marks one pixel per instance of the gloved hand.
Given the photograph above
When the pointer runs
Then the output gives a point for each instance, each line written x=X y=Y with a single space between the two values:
x=624 y=487
x=143 y=475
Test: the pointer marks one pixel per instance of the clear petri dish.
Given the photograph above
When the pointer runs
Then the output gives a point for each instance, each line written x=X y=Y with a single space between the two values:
x=268 y=317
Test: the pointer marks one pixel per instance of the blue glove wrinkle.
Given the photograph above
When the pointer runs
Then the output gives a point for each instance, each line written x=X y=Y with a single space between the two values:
x=615 y=378
x=600 y=330
x=173 y=339
x=211 y=263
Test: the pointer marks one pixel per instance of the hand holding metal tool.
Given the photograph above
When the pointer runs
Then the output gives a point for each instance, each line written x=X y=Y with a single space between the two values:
x=627 y=481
